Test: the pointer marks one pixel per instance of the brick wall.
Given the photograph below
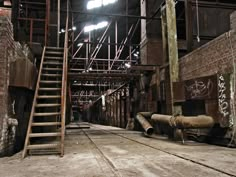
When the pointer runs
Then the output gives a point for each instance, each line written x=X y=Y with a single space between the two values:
x=214 y=57
x=211 y=58
x=5 y=36
x=9 y=52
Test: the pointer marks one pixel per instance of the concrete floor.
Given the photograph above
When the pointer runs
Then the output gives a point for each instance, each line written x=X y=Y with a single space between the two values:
x=107 y=151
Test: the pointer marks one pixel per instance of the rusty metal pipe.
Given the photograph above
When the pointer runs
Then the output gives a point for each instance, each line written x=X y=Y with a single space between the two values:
x=145 y=124
x=146 y=114
x=185 y=122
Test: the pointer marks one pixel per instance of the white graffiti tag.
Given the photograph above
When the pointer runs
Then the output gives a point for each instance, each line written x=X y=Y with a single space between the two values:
x=199 y=89
x=223 y=104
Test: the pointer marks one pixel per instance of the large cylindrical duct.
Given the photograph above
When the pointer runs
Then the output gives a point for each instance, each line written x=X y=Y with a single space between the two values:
x=185 y=122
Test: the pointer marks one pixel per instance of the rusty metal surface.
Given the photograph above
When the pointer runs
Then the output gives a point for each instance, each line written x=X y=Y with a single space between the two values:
x=145 y=124
x=146 y=114
x=183 y=122
x=178 y=91
x=23 y=74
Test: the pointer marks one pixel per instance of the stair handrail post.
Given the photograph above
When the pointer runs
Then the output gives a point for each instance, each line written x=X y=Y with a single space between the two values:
x=64 y=82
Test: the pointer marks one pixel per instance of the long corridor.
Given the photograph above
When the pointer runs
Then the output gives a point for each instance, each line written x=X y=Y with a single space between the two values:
x=107 y=151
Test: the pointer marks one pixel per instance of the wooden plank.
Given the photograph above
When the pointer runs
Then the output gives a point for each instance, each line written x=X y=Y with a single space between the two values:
x=42 y=146
x=35 y=135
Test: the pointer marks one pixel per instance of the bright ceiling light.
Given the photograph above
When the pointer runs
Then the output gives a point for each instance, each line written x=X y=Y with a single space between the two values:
x=94 y=4
x=127 y=65
x=99 y=3
x=80 y=44
x=107 y=2
x=95 y=27
x=101 y=24
x=62 y=30
x=89 y=28
x=74 y=28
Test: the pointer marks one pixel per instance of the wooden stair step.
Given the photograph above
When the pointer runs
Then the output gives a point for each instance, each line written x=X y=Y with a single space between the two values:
x=54 y=48
x=43 y=146
x=45 y=124
x=52 y=69
x=49 y=89
x=52 y=75
x=47 y=96
x=47 y=114
x=54 y=52
x=53 y=58
x=37 y=135
x=50 y=82
x=52 y=63
x=47 y=105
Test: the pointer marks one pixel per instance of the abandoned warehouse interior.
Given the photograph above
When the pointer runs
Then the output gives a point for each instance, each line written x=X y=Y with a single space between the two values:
x=119 y=81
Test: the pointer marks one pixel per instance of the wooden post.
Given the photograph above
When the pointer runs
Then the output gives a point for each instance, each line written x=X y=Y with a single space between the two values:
x=172 y=47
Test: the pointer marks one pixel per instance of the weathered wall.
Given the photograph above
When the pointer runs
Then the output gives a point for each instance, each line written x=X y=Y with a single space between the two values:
x=211 y=58
x=151 y=44
x=217 y=56
x=10 y=51
x=6 y=134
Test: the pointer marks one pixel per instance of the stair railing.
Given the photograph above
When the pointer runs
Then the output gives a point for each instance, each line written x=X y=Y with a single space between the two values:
x=64 y=82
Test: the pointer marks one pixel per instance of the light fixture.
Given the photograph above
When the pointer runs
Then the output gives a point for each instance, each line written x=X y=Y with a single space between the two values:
x=80 y=44
x=95 y=27
x=135 y=54
x=99 y=3
x=74 y=28
x=90 y=69
x=127 y=65
x=62 y=30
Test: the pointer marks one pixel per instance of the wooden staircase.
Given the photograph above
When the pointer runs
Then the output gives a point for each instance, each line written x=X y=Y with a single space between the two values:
x=46 y=128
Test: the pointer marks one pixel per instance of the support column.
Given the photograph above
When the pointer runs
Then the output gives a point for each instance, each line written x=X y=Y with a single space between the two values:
x=118 y=110
x=169 y=16
x=122 y=109
x=127 y=101
x=189 y=24
x=58 y=22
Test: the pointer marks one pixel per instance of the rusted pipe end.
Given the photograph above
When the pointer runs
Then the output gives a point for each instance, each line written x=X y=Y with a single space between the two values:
x=145 y=124
x=150 y=131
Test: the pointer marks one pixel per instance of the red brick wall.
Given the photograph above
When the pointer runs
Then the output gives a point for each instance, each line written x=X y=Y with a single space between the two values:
x=211 y=58
x=9 y=51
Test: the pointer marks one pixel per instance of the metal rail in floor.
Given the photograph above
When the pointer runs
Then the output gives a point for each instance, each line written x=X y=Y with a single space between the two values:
x=108 y=151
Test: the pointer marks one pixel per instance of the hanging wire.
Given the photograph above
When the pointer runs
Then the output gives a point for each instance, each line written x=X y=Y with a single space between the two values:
x=234 y=88
x=198 y=30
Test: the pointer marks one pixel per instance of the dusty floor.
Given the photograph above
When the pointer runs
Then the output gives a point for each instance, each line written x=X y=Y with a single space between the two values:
x=107 y=151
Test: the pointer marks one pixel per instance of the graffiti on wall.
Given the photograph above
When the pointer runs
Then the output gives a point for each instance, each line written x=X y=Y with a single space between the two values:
x=224 y=99
x=201 y=88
